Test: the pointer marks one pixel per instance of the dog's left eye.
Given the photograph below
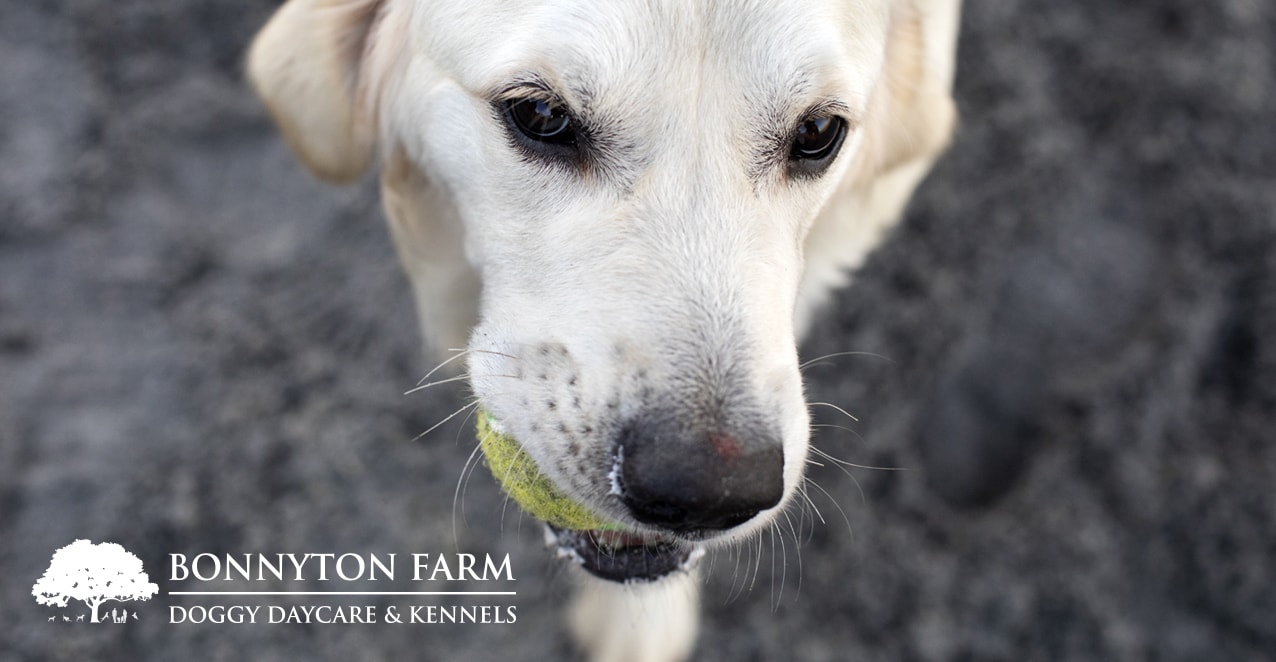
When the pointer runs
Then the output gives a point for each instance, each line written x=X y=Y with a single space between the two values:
x=541 y=120
x=816 y=143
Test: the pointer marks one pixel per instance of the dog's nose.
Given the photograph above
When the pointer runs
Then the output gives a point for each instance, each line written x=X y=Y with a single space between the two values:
x=698 y=481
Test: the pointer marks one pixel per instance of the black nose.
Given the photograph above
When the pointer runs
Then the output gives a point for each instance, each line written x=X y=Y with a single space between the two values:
x=694 y=481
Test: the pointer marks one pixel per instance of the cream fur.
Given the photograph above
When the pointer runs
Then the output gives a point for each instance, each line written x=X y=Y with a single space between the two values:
x=607 y=283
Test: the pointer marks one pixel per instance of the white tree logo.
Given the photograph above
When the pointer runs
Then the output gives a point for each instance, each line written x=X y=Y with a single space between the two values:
x=94 y=574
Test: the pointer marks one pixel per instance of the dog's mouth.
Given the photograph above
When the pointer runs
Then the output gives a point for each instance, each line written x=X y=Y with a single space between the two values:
x=624 y=556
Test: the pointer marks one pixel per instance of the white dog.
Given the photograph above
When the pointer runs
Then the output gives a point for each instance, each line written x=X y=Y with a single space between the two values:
x=628 y=211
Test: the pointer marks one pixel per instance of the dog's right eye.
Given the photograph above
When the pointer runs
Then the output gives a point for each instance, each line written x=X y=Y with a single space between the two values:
x=815 y=144
x=541 y=120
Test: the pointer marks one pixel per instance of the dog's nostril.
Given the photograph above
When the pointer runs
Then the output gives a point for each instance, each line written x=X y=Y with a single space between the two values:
x=698 y=481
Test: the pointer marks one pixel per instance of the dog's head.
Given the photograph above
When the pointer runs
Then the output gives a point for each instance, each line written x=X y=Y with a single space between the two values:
x=632 y=182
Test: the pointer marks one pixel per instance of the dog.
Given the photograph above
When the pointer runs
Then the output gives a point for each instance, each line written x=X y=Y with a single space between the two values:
x=628 y=213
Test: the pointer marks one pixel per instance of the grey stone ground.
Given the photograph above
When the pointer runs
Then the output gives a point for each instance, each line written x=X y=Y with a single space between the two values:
x=203 y=350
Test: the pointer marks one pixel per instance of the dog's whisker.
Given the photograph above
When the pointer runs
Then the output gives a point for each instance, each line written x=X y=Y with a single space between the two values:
x=525 y=460
x=835 y=408
x=457 y=493
x=442 y=364
x=496 y=353
x=800 y=525
x=808 y=517
x=844 y=470
x=505 y=502
x=421 y=387
x=784 y=563
x=771 y=534
x=837 y=505
x=737 y=552
x=844 y=463
x=461 y=428
x=806 y=498
x=518 y=525
x=449 y=417
x=733 y=553
x=823 y=359
x=839 y=427
x=464 y=474
x=797 y=550
x=465 y=488
x=458 y=378
x=749 y=554
x=757 y=563
x=802 y=515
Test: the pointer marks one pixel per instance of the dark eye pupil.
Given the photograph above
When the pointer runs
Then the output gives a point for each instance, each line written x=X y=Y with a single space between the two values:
x=540 y=120
x=816 y=137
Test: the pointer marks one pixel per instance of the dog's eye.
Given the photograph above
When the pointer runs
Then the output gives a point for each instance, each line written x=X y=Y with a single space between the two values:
x=541 y=120
x=816 y=143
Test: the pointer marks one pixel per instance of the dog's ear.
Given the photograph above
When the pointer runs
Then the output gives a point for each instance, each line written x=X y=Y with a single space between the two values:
x=911 y=114
x=307 y=65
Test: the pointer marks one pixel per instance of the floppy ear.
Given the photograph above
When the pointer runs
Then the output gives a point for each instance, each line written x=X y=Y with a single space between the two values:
x=305 y=64
x=912 y=115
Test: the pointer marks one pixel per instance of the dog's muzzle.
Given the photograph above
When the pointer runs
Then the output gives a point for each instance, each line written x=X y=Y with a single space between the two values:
x=625 y=557
x=685 y=485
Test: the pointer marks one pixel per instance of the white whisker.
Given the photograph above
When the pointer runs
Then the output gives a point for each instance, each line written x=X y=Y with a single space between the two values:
x=797 y=551
x=784 y=564
x=442 y=364
x=757 y=565
x=837 y=408
x=839 y=427
x=457 y=494
x=464 y=474
x=834 y=355
x=833 y=501
x=738 y=552
x=838 y=464
x=844 y=463
x=445 y=420
x=496 y=353
x=422 y=387
x=807 y=499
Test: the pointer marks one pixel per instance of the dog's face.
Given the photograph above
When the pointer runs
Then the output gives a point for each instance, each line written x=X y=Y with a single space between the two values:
x=632 y=182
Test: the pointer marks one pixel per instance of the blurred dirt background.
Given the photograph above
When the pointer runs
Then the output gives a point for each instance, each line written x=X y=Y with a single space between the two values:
x=203 y=350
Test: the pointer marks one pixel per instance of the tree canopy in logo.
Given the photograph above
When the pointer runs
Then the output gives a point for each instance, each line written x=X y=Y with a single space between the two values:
x=93 y=574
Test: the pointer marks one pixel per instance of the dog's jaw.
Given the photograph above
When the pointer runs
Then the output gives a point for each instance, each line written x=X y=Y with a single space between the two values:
x=625 y=557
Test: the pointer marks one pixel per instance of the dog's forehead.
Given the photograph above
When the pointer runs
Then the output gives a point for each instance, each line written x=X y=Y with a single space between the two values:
x=598 y=51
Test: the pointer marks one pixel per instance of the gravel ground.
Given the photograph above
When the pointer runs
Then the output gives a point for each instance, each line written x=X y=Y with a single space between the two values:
x=202 y=350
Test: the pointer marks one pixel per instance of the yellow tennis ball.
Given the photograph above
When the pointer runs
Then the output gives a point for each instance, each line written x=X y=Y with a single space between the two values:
x=523 y=481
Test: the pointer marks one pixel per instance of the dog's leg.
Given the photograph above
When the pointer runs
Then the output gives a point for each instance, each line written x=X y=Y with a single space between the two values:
x=640 y=622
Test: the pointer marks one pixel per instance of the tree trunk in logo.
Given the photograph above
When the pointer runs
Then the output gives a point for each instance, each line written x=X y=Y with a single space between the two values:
x=94 y=604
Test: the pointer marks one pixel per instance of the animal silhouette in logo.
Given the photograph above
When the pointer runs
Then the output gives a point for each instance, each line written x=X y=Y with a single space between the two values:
x=93 y=574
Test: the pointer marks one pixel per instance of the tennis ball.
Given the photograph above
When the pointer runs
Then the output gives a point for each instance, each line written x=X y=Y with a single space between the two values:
x=523 y=481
